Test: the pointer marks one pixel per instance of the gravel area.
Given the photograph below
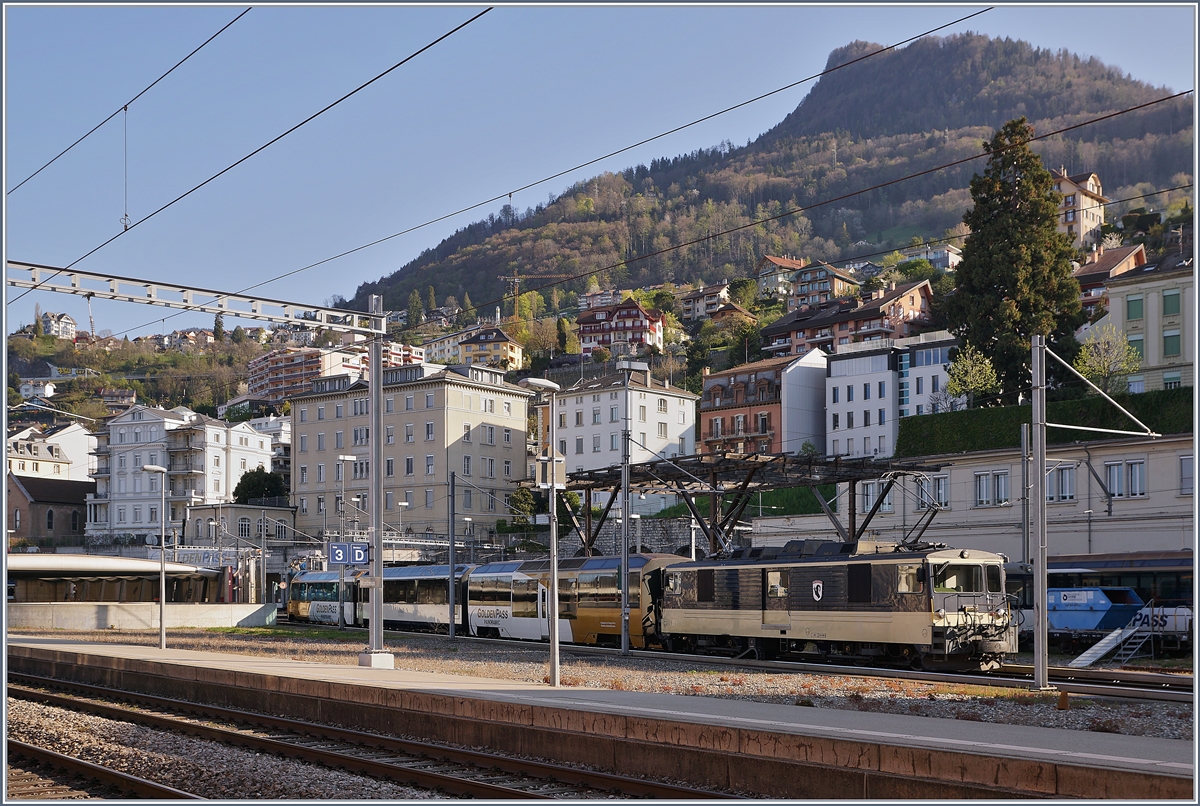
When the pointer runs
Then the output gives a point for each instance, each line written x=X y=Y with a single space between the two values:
x=205 y=768
x=470 y=657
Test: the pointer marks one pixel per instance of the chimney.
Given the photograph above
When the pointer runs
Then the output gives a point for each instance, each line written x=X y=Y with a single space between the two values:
x=891 y=286
x=704 y=372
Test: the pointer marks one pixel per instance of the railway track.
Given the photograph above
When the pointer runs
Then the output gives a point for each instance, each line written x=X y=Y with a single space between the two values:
x=1094 y=682
x=454 y=771
x=35 y=773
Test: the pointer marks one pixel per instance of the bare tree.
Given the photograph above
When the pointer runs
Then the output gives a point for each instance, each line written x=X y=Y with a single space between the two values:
x=1107 y=359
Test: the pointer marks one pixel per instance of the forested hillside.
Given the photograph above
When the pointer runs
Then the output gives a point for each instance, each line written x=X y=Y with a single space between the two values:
x=895 y=114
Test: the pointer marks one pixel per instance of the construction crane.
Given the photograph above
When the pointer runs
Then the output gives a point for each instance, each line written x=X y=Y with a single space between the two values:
x=514 y=282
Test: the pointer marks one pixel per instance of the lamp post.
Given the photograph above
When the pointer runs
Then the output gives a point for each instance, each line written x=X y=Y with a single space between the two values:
x=549 y=482
x=628 y=367
x=162 y=555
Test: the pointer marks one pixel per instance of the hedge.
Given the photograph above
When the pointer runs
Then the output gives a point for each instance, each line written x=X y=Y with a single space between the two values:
x=1167 y=411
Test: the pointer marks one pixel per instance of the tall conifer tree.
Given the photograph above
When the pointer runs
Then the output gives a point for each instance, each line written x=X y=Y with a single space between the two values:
x=1015 y=277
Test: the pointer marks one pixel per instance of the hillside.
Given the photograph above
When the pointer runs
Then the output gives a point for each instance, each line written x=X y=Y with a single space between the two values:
x=930 y=103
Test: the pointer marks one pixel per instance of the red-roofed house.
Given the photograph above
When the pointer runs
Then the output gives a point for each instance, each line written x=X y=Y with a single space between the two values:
x=1102 y=265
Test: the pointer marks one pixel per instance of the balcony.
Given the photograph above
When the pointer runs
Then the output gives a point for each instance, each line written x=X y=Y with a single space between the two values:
x=97 y=496
x=186 y=467
x=105 y=470
x=886 y=326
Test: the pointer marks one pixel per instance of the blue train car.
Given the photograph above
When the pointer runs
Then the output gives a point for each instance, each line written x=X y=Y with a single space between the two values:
x=1091 y=609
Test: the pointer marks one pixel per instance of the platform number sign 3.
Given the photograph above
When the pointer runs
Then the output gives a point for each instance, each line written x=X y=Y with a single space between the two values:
x=818 y=590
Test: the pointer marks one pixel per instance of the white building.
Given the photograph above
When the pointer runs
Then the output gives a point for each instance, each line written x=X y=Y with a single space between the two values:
x=58 y=324
x=591 y=416
x=60 y=452
x=279 y=429
x=205 y=459
x=802 y=390
x=873 y=384
x=37 y=388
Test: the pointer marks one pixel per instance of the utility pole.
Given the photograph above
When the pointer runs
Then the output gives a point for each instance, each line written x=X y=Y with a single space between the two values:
x=450 y=558
x=628 y=367
x=1038 y=505
x=376 y=656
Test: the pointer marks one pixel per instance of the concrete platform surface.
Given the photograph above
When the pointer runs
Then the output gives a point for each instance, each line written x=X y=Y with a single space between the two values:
x=1077 y=748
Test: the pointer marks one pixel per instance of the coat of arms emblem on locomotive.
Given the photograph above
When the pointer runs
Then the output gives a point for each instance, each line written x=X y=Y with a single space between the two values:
x=818 y=590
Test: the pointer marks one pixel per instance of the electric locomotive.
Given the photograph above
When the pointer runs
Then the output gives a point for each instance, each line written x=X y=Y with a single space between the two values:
x=923 y=606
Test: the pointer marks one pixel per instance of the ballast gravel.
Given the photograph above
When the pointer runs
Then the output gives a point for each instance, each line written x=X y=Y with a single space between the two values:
x=438 y=654
x=206 y=768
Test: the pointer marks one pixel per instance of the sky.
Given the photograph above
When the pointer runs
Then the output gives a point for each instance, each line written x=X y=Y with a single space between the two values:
x=517 y=95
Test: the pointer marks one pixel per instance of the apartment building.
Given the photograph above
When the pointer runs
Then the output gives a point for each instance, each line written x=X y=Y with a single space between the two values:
x=775 y=275
x=698 y=304
x=446 y=350
x=890 y=313
x=58 y=324
x=1155 y=306
x=284 y=373
x=1111 y=495
x=493 y=347
x=873 y=384
x=601 y=299
x=279 y=429
x=740 y=409
x=942 y=256
x=624 y=329
x=819 y=283
x=1081 y=212
x=60 y=452
x=437 y=419
x=205 y=459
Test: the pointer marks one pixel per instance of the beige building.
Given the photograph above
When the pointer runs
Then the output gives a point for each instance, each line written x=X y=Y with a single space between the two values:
x=1155 y=306
x=493 y=347
x=437 y=419
x=1081 y=212
x=58 y=452
x=700 y=304
x=1112 y=495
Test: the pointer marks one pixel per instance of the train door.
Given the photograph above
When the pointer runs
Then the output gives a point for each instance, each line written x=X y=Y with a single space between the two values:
x=544 y=611
x=775 y=613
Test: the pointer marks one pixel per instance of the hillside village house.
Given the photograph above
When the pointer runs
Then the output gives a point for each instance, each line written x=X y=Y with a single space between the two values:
x=1081 y=212
x=60 y=325
x=873 y=384
x=942 y=256
x=492 y=346
x=205 y=458
x=775 y=275
x=819 y=283
x=894 y=312
x=1151 y=481
x=601 y=299
x=462 y=418
x=446 y=350
x=701 y=302
x=37 y=388
x=624 y=329
x=1155 y=306
x=1102 y=265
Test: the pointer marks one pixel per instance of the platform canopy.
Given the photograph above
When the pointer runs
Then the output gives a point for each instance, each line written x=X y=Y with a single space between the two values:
x=730 y=479
x=729 y=472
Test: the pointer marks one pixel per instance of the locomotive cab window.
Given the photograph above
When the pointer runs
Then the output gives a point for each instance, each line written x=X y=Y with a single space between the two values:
x=911 y=579
x=858 y=583
x=958 y=579
x=993 y=579
x=705 y=586
x=777 y=584
x=675 y=583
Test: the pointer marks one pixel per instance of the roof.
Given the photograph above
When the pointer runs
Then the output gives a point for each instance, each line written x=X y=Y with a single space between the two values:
x=1102 y=266
x=487 y=335
x=704 y=291
x=872 y=307
x=841 y=274
x=73 y=565
x=637 y=380
x=54 y=491
x=1174 y=262
x=755 y=366
x=785 y=263
x=728 y=307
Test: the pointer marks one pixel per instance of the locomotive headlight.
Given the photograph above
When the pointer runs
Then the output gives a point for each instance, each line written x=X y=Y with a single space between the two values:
x=941 y=613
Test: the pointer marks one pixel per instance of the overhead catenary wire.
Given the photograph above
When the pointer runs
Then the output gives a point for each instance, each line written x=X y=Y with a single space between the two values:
x=261 y=148
x=555 y=175
x=125 y=107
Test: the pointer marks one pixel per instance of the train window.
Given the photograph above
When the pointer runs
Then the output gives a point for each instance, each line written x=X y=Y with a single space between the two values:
x=958 y=579
x=858 y=583
x=524 y=598
x=777 y=584
x=705 y=586
x=431 y=592
x=993 y=579
x=910 y=579
x=634 y=591
x=675 y=583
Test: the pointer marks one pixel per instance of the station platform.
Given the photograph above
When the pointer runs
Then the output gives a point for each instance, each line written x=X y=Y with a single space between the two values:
x=729 y=745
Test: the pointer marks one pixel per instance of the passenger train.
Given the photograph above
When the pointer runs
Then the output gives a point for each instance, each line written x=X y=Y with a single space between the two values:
x=926 y=606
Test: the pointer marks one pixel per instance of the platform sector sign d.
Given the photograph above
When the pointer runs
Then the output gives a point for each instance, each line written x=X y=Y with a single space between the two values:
x=358 y=553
